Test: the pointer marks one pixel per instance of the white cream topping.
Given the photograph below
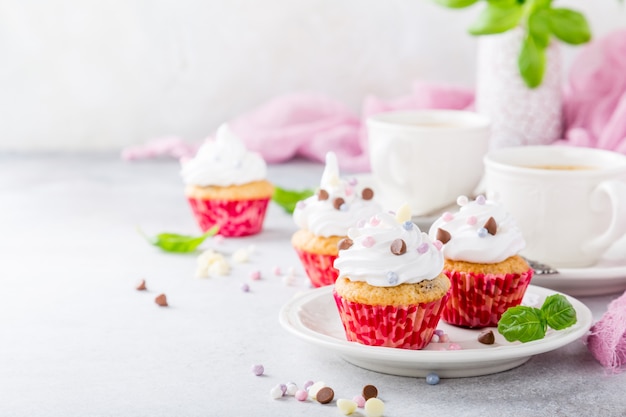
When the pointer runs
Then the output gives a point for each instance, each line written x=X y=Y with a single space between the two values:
x=371 y=259
x=321 y=217
x=470 y=241
x=224 y=161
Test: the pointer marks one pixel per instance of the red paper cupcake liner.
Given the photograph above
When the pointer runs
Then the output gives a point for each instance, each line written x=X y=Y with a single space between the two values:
x=234 y=217
x=479 y=300
x=319 y=268
x=404 y=327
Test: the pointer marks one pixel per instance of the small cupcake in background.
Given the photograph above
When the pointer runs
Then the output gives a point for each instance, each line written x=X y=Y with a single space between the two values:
x=324 y=219
x=481 y=243
x=226 y=186
x=391 y=290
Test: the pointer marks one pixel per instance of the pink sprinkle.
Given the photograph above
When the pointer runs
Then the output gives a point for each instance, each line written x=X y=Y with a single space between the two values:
x=277 y=270
x=349 y=191
x=454 y=346
x=353 y=181
x=301 y=395
x=368 y=242
x=245 y=287
x=423 y=248
x=471 y=220
x=447 y=216
x=374 y=221
x=438 y=244
x=444 y=338
x=359 y=400
x=255 y=275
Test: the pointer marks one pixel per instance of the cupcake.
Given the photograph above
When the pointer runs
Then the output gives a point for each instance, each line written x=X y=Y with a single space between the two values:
x=324 y=219
x=391 y=289
x=226 y=186
x=481 y=243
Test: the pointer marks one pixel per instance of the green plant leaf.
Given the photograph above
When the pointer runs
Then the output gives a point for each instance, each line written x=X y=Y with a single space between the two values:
x=539 y=28
x=497 y=18
x=456 y=4
x=287 y=199
x=531 y=62
x=569 y=26
x=172 y=242
x=522 y=323
x=559 y=313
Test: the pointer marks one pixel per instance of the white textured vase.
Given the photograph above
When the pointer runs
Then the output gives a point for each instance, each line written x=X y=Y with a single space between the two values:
x=519 y=115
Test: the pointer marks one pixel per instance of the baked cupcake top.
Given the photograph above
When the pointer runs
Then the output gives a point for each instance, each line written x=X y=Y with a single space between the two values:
x=482 y=231
x=387 y=250
x=224 y=161
x=337 y=205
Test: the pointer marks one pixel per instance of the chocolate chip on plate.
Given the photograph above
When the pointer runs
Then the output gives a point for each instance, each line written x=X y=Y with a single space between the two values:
x=325 y=395
x=369 y=391
x=486 y=337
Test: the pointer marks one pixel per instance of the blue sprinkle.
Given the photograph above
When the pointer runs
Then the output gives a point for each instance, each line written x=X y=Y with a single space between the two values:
x=343 y=207
x=482 y=232
x=407 y=225
x=432 y=379
x=392 y=277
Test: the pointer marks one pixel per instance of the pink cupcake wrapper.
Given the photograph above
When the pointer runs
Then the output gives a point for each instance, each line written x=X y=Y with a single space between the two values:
x=479 y=300
x=319 y=268
x=404 y=327
x=234 y=217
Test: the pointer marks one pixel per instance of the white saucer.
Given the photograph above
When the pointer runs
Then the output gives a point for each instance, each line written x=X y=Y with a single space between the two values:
x=313 y=317
x=604 y=278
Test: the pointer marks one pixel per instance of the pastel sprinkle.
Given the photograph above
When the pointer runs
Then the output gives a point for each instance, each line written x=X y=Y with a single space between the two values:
x=434 y=339
x=447 y=216
x=444 y=338
x=482 y=232
x=301 y=395
x=454 y=346
x=439 y=332
x=258 y=369
x=292 y=388
x=404 y=213
x=462 y=200
x=307 y=384
x=369 y=241
x=423 y=248
x=353 y=181
x=407 y=225
x=481 y=199
x=432 y=379
x=283 y=388
x=374 y=221
x=349 y=191
x=346 y=407
x=300 y=205
x=374 y=407
x=313 y=389
x=245 y=287
x=392 y=277
x=343 y=207
x=438 y=244
x=361 y=223
x=471 y=220
x=277 y=270
x=276 y=392
x=255 y=275
x=359 y=400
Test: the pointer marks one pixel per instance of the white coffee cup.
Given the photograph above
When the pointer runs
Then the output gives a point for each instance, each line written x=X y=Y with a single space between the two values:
x=569 y=202
x=426 y=158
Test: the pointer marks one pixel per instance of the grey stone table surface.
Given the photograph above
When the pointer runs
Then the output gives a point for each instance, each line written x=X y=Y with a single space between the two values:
x=77 y=339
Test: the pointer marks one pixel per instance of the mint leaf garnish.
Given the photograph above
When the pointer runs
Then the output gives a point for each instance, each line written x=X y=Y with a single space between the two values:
x=526 y=324
x=559 y=313
x=288 y=199
x=172 y=242
x=522 y=323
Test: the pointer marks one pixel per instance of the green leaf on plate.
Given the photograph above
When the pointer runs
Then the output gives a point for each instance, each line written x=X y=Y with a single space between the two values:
x=497 y=18
x=172 y=242
x=539 y=28
x=569 y=26
x=456 y=4
x=531 y=62
x=558 y=311
x=287 y=199
x=522 y=323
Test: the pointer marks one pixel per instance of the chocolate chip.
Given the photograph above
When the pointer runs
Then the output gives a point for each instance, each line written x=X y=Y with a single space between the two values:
x=141 y=286
x=369 y=391
x=325 y=395
x=161 y=300
x=398 y=247
x=486 y=337
x=345 y=243
x=367 y=193
x=491 y=226
x=338 y=202
x=443 y=236
x=322 y=195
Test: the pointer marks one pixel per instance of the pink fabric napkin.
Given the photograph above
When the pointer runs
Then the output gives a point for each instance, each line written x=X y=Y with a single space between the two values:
x=310 y=124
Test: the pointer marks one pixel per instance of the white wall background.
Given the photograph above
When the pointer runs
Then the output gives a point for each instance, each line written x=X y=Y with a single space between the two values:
x=89 y=74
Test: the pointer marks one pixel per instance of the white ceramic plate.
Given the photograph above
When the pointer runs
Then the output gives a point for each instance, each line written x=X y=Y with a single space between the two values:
x=603 y=278
x=313 y=317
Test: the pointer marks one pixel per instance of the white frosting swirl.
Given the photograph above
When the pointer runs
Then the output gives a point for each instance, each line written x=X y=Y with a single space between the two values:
x=370 y=258
x=320 y=216
x=470 y=241
x=224 y=161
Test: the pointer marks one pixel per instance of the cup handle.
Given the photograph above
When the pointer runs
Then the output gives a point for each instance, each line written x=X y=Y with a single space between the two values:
x=616 y=192
x=390 y=154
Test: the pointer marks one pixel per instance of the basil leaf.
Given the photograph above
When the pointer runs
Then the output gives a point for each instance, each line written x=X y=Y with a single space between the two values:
x=522 y=323
x=497 y=18
x=539 y=28
x=569 y=26
x=456 y=4
x=172 y=242
x=559 y=313
x=287 y=199
x=531 y=62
